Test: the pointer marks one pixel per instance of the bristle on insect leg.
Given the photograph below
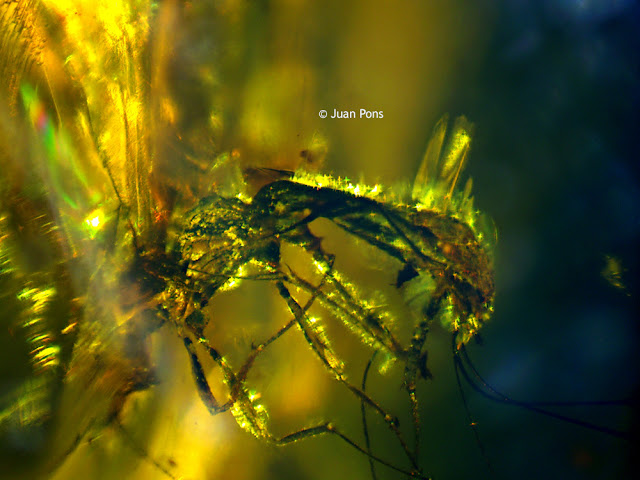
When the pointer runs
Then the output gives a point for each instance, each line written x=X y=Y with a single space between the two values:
x=320 y=346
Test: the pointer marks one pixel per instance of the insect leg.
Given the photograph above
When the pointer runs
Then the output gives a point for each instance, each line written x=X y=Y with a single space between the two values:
x=201 y=380
x=258 y=349
x=411 y=374
x=353 y=313
x=363 y=412
x=242 y=374
x=234 y=381
x=413 y=365
x=329 y=428
x=320 y=346
x=194 y=323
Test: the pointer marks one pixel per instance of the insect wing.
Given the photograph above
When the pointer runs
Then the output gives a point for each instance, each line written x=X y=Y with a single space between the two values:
x=429 y=165
x=455 y=155
x=65 y=234
x=444 y=159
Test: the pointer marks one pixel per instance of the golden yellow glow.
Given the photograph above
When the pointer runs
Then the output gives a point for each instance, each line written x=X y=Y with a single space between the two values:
x=69 y=328
x=108 y=75
x=95 y=221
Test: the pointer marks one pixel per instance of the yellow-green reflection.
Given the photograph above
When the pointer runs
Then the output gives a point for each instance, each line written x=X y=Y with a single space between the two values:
x=122 y=109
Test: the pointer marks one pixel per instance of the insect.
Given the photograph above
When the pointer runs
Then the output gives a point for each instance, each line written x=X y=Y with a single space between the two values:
x=101 y=248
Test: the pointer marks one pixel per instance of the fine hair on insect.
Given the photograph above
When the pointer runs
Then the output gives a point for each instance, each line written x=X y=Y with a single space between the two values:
x=122 y=221
x=181 y=289
x=227 y=240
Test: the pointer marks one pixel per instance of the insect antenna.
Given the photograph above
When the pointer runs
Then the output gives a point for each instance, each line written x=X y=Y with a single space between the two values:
x=480 y=385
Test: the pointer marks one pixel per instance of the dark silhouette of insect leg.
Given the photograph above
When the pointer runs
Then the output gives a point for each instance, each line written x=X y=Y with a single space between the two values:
x=329 y=428
x=363 y=412
x=320 y=346
x=416 y=363
x=242 y=374
x=201 y=380
x=353 y=313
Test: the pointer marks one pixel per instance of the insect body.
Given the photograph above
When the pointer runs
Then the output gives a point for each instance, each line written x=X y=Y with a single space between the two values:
x=123 y=250
x=228 y=239
x=225 y=238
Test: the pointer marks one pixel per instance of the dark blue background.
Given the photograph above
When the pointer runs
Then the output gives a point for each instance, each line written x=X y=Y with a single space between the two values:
x=555 y=162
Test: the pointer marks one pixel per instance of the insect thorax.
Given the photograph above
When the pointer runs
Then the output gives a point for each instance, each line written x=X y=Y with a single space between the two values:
x=444 y=254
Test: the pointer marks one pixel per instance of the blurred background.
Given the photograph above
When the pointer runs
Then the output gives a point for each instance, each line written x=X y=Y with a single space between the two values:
x=552 y=87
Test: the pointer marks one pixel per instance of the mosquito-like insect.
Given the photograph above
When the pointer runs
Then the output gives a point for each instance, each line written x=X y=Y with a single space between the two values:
x=448 y=262
x=100 y=249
